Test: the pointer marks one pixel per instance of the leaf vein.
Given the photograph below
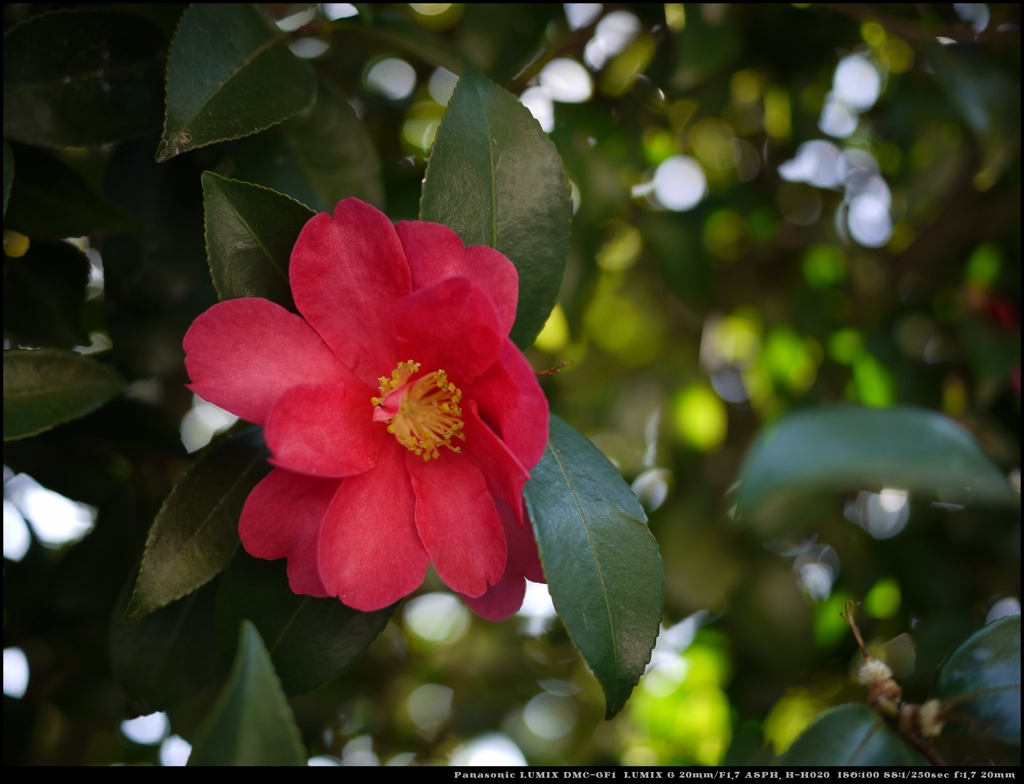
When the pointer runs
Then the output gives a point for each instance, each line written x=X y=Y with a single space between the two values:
x=593 y=549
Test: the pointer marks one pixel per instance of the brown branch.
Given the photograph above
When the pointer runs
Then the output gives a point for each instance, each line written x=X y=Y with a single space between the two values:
x=554 y=371
x=847 y=615
x=928 y=751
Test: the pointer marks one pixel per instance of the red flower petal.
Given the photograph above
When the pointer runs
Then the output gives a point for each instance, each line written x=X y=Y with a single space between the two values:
x=506 y=597
x=451 y=326
x=435 y=253
x=370 y=553
x=504 y=473
x=510 y=399
x=458 y=523
x=244 y=353
x=325 y=430
x=346 y=273
x=282 y=518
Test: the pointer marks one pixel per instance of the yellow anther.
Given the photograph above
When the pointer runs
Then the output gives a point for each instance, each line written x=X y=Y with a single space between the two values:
x=428 y=414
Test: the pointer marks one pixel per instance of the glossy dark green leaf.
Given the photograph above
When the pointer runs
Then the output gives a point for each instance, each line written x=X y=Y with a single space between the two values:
x=496 y=178
x=229 y=74
x=156 y=282
x=850 y=734
x=250 y=232
x=82 y=77
x=601 y=562
x=46 y=387
x=196 y=531
x=319 y=157
x=986 y=97
x=170 y=654
x=8 y=174
x=44 y=295
x=310 y=640
x=981 y=679
x=50 y=199
x=251 y=722
x=854 y=448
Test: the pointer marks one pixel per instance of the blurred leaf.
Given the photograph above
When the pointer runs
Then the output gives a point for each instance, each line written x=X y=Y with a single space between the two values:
x=196 y=531
x=168 y=655
x=46 y=387
x=496 y=178
x=986 y=98
x=251 y=722
x=601 y=562
x=156 y=282
x=311 y=640
x=229 y=74
x=403 y=33
x=319 y=157
x=250 y=232
x=8 y=174
x=52 y=200
x=82 y=77
x=981 y=679
x=849 y=734
x=703 y=48
x=44 y=294
x=853 y=448
x=993 y=354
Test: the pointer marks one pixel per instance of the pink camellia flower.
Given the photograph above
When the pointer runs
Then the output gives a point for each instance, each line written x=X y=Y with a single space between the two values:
x=401 y=419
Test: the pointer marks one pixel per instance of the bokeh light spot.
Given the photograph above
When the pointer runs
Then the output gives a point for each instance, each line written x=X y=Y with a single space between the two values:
x=679 y=183
x=789 y=717
x=884 y=598
x=391 y=78
x=700 y=417
x=555 y=334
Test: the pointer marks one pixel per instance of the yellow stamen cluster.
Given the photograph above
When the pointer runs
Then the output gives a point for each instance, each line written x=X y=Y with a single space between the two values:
x=429 y=415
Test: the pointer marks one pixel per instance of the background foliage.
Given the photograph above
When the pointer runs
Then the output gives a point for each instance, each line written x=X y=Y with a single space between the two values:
x=725 y=283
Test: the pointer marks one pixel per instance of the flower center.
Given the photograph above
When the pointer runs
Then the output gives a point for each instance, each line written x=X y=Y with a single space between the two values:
x=423 y=414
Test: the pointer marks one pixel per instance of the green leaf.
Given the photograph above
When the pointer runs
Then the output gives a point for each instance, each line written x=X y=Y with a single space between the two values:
x=849 y=734
x=251 y=722
x=311 y=640
x=981 y=679
x=250 y=231
x=82 y=77
x=196 y=530
x=496 y=178
x=8 y=174
x=601 y=562
x=987 y=99
x=44 y=388
x=44 y=295
x=168 y=655
x=853 y=448
x=319 y=157
x=50 y=199
x=156 y=282
x=229 y=74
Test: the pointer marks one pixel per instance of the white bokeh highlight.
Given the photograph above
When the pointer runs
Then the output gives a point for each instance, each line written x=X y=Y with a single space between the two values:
x=392 y=78
x=55 y=520
x=680 y=183
x=566 y=81
x=437 y=617
x=175 y=751
x=15 y=673
x=579 y=15
x=492 y=749
x=537 y=100
x=146 y=730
